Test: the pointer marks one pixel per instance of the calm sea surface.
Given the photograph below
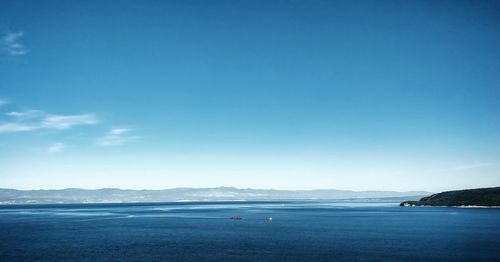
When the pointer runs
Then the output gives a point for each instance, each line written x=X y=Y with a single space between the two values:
x=300 y=231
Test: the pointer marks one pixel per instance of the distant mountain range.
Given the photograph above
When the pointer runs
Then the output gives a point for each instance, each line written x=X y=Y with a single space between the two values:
x=115 y=195
x=470 y=197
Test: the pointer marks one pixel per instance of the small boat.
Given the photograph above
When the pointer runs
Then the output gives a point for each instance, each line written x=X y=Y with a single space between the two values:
x=270 y=219
x=236 y=218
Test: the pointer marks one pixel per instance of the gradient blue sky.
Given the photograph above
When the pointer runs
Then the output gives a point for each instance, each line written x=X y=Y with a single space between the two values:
x=384 y=95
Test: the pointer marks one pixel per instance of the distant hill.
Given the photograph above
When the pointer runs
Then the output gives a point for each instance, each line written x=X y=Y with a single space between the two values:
x=469 y=197
x=114 y=195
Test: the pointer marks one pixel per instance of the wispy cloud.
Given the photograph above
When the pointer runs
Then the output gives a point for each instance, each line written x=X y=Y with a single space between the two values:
x=10 y=45
x=118 y=131
x=3 y=102
x=56 y=147
x=116 y=137
x=67 y=121
x=35 y=120
x=15 y=127
x=25 y=114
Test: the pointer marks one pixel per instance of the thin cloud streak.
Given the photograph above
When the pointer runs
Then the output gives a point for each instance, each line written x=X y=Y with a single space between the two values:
x=56 y=147
x=118 y=131
x=9 y=44
x=3 y=102
x=116 y=137
x=68 y=121
x=25 y=114
x=14 y=128
x=36 y=120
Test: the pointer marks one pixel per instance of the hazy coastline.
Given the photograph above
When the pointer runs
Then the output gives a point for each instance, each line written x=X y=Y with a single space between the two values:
x=114 y=195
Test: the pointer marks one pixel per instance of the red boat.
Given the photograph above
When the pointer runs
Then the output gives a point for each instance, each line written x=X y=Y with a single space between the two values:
x=236 y=218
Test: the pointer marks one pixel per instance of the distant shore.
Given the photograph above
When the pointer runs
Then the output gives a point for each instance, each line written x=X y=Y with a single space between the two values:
x=116 y=195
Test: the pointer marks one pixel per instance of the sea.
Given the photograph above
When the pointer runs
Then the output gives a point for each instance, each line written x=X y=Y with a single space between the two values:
x=204 y=231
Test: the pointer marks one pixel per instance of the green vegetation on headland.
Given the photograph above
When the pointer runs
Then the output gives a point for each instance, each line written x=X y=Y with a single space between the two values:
x=471 y=197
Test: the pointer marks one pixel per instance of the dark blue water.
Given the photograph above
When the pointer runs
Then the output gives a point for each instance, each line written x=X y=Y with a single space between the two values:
x=300 y=231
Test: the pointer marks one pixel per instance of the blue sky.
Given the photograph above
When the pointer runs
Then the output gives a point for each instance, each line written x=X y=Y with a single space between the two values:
x=384 y=95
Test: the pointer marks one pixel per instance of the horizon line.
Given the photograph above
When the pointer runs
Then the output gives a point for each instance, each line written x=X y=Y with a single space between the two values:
x=218 y=187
